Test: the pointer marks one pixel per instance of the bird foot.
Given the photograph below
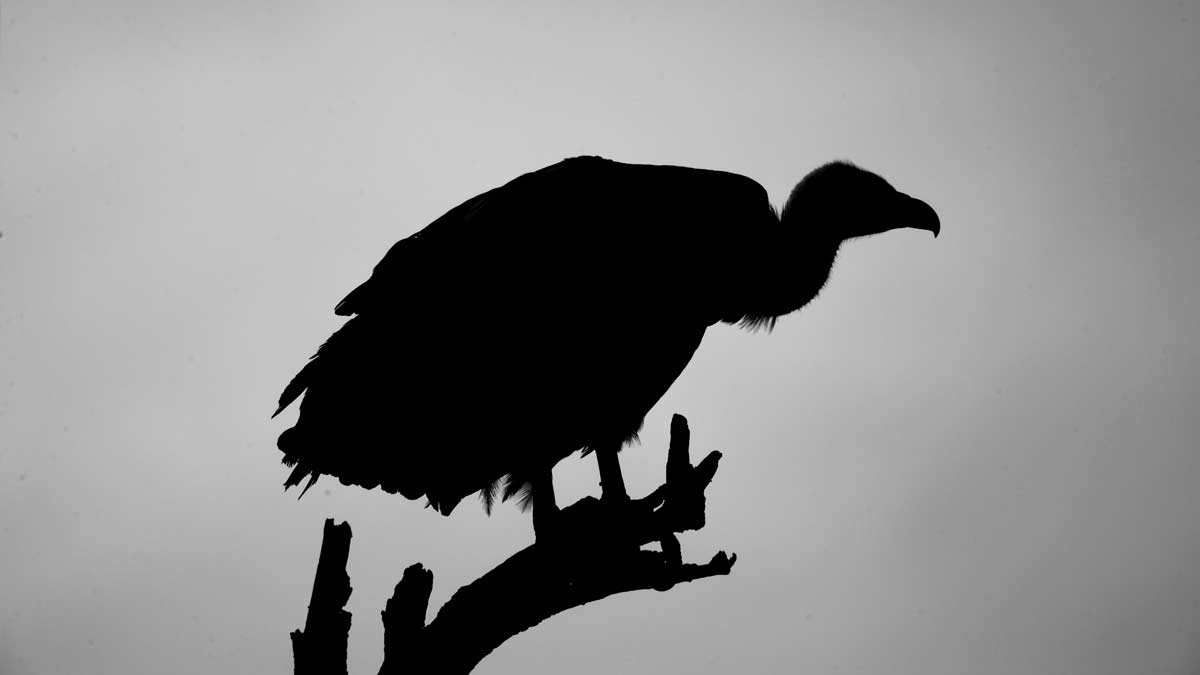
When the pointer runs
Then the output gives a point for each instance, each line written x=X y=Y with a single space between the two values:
x=617 y=522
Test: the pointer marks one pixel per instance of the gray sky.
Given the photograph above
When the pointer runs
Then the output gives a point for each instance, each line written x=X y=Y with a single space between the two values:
x=976 y=454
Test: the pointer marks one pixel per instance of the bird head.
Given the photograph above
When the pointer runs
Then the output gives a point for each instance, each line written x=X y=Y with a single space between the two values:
x=851 y=202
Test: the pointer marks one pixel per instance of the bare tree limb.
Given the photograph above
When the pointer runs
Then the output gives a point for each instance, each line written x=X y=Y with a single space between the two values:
x=320 y=649
x=404 y=619
x=595 y=552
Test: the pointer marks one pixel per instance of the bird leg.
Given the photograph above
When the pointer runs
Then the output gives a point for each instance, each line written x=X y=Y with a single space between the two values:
x=612 y=484
x=545 y=510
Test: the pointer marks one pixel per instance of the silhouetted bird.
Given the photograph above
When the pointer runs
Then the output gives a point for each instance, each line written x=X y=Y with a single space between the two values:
x=549 y=315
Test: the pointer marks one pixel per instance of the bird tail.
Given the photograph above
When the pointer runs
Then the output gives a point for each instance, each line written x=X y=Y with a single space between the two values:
x=297 y=386
x=302 y=468
x=342 y=341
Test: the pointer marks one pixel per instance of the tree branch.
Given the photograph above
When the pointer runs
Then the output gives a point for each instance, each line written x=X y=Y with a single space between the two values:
x=595 y=552
x=320 y=649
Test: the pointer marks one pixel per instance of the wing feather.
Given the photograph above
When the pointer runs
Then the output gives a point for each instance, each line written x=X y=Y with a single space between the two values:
x=503 y=332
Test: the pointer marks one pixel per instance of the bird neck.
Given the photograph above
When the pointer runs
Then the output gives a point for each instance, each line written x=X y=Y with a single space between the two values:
x=797 y=255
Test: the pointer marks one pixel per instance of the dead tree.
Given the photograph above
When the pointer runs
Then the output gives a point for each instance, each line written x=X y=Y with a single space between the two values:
x=595 y=551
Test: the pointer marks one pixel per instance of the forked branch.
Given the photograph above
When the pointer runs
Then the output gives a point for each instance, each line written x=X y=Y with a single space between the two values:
x=596 y=552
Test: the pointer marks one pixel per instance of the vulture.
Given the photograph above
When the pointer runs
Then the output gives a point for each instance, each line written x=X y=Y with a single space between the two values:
x=550 y=314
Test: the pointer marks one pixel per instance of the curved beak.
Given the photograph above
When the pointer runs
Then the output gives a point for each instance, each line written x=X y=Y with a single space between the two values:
x=917 y=214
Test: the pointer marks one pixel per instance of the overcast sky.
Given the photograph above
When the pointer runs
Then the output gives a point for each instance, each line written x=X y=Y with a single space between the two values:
x=975 y=454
